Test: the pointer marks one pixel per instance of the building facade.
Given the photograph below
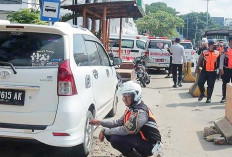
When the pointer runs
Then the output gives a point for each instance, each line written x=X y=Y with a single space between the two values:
x=9 y=6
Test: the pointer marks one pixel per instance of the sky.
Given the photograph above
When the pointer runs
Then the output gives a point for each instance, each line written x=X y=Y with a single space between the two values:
x=217 y=8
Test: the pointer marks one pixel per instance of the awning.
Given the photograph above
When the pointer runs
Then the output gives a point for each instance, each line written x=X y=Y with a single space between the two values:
x=116 y=9
x=219 y=32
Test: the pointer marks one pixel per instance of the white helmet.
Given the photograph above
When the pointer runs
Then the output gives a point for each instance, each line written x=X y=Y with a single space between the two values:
x=204 y=40
x=131 y=87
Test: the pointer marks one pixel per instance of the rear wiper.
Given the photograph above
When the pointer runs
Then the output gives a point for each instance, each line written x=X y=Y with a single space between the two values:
x=10 y=64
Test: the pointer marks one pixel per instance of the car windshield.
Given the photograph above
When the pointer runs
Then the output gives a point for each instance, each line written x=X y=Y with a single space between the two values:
x=159 y=44
x=31 y=49
x=140 y=44
x=126 y=43
x=187 y=45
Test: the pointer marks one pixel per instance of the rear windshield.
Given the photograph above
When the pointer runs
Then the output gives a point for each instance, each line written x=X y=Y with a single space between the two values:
x=159 y=44
x=187 y=45
x=31 y=49
x=126 y=43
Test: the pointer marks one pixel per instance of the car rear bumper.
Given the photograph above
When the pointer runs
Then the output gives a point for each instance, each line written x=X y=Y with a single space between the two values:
x=70 y=119
x=155 y=65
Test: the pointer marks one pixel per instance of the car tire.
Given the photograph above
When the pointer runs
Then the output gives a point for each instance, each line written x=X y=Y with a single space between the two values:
x=113 y=111
x=84 y=149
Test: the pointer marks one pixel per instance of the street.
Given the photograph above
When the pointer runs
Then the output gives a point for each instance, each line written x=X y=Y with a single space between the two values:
x=181 y=119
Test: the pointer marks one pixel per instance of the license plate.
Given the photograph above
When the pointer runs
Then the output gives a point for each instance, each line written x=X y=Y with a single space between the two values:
x=12 y=97
x=159 y=60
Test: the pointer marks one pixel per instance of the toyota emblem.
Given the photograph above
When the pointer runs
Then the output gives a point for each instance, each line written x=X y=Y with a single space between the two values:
x=4 y=74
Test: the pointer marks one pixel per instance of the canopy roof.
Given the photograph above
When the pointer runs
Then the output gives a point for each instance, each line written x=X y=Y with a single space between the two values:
x=116 y=9
x=219 y=32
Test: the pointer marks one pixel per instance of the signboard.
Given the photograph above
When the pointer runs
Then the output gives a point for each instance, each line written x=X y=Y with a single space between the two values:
x=141 y=6
x=50 y=10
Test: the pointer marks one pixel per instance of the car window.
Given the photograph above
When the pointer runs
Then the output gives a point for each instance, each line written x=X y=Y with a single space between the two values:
x=103 y=56
x=159 y=44
x=126 y=43
x=187 y=45
x=31 y=49
x=94 y=58
x=140 y=44
x=79 y=51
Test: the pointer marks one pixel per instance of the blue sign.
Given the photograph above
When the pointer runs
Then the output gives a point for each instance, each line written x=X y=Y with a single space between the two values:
x=50 y=10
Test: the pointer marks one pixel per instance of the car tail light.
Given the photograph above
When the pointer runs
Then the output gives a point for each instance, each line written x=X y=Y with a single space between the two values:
x=147 y=53
x=60 y=134
x=192 y=53
x=66 y=83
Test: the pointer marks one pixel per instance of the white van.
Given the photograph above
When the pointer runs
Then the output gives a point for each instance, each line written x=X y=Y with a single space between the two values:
x=189 y=51
x=53 y=80
x=130 y=49
x=159 y=57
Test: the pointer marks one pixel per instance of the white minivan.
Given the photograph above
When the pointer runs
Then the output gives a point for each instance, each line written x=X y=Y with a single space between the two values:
x=189 y=51
x=159 y=57
x=130 y=49
x=53 y=80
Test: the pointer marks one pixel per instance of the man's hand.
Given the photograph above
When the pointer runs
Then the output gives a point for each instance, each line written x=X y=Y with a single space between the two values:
x=221 y=72
x=101 y=136
x=94 y=122
x=196 y=71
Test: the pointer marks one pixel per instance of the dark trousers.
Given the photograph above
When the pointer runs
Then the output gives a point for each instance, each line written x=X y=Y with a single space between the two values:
x=170 y=67
x=226 y=78
x=210 y=77
x=175 y=68
x=126 y=144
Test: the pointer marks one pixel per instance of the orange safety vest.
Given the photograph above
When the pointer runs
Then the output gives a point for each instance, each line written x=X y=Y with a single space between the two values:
x=210 y=60
x=147 y=134
x=228 y=59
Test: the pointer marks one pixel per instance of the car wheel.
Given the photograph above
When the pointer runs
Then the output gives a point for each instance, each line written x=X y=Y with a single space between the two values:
x=114 y=108
x=84 y=149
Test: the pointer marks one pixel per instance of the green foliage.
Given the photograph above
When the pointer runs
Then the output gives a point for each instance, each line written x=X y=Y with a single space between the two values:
x=26 y=16
x=197 y=24
x=160 y=23
x=160 y=6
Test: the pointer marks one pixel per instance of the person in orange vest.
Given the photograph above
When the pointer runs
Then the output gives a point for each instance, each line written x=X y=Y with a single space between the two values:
x=136 y=133
x=209 y=61
x=225 y=68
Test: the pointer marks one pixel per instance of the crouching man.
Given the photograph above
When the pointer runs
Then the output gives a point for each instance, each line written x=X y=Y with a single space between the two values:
x=135 y=134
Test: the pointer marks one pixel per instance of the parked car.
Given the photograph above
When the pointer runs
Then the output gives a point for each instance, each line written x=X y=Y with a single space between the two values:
x=131 y=47
x=53 y=80
x=156 y=50
x=189 y=51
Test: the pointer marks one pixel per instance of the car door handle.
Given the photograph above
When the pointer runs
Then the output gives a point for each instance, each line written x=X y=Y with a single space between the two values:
x=107 y=73
x=134 y=50
x=95 y=74
x=87 y=81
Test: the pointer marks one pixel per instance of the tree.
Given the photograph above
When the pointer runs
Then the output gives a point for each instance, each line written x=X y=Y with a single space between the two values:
x=27 y=16
x=160 y=6
x=160 y=23
x=195 y=24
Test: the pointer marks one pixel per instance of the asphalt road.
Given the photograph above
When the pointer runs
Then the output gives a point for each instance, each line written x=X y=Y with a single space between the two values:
x=181 y=119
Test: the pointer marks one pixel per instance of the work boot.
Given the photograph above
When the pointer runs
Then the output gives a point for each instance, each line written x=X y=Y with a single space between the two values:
x=179 y=84
x=174 y=86
x=201 y=97
x=133 y=153
x=223 y=100
x=208 y=100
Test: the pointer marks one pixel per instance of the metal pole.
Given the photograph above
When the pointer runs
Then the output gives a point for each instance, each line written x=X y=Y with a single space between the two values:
x=196 y=30
x=187 y=27
x=207 y=15
x=120 y=39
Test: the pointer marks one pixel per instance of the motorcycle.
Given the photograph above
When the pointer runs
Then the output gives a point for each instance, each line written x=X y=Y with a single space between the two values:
x=140 y=69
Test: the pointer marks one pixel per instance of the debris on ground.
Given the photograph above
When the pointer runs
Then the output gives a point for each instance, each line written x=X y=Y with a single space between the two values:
x=212 y=135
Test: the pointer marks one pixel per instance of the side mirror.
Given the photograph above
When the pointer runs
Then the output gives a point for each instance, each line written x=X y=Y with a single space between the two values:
x=117 y=61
